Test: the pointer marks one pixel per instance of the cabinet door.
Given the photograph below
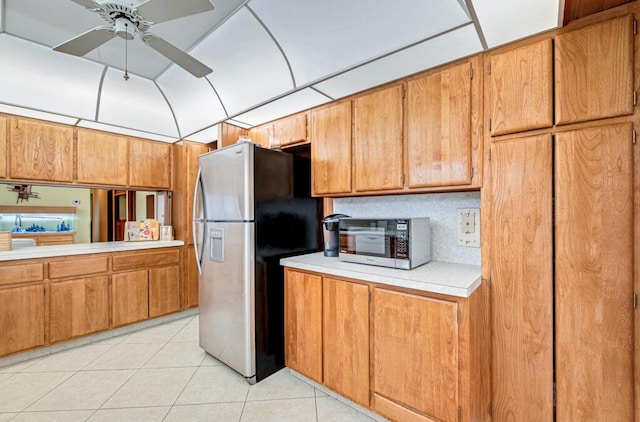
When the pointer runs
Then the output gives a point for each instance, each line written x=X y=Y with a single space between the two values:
x=331 y=149
x=149 y=164
x=130 y=297
x=594 y=274
x=416 y=352
x=21 y=318
x=290 y=130
x=164 y=290
x=260 y=135
x=78 y=307
x=228 y=134
x=103 y=159
x=439 y=128
x=521 y=279
x=345 y=315
x=594 y=71
x=3 y=146
x=378 y=140
x=191 y=278
x=521 y=84
x=303 y=323
x=40 y=151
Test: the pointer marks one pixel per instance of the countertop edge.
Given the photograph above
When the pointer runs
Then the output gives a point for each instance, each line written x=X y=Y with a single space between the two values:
x=37 y=252
x=371 y=276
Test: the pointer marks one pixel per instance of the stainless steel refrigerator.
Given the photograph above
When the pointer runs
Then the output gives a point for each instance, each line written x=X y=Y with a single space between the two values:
x=252 y=206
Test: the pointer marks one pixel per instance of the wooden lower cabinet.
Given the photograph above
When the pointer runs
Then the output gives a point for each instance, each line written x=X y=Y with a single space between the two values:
x=191 y=278
x=22 y=318
x=78 y=307
x=130 y=297
x=345 y=322
x=415 y=354
x=303 y=323
x=164 y=290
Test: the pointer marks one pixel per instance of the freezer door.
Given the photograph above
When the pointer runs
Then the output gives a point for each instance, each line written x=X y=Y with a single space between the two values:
x=227 y=183
x=227 y=295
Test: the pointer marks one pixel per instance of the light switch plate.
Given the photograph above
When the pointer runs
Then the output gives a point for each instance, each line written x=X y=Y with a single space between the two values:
x=468 y=227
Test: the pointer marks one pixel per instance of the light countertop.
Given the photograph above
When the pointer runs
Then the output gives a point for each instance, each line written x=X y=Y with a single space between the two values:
x=34 y=252
x=435 y=277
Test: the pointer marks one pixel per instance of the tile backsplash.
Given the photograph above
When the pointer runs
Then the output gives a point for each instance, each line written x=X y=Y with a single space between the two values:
x=440 y=207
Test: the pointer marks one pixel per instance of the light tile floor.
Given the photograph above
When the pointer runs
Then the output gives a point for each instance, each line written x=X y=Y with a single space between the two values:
x=156 y=374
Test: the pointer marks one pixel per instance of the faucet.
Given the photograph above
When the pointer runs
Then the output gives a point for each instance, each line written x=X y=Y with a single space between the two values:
x=18 y=221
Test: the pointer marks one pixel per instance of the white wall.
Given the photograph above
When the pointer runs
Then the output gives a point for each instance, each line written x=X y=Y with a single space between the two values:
x=441 y=208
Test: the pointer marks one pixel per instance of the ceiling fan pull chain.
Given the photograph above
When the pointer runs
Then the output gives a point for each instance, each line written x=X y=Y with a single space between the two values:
x=126 y=61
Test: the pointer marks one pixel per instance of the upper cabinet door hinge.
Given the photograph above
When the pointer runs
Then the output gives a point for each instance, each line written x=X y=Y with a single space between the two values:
x=471 y=73
x=633 y=136
x=635 y=98
x=459 y=316
x=635 y=27
x=489 y=70
x=369 y=295
x=635 y=301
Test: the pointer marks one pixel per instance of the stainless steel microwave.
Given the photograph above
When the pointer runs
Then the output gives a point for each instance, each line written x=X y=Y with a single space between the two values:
x=390 y=242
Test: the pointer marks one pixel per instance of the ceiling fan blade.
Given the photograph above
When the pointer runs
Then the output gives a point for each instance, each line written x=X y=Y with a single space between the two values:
x=179 y=57
x=89 y=4
x=83 y=43
x=165 y=10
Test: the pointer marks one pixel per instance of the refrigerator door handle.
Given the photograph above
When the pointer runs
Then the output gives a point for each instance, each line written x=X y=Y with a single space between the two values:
x=198 y=215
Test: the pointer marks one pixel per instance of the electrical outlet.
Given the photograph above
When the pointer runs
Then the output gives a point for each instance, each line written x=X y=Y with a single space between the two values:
x=468 y=227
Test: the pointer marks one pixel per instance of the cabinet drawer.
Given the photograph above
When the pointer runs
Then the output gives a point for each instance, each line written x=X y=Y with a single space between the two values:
x=78 y=267
x=143 y=260
x=22 y=273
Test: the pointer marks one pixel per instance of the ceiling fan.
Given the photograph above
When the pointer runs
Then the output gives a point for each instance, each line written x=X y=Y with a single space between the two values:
x=125 y=18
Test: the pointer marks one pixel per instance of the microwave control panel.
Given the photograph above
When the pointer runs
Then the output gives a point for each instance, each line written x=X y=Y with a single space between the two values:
x=402 y=240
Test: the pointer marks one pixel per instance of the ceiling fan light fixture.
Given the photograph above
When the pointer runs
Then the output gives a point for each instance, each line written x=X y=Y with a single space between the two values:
x=124 y=28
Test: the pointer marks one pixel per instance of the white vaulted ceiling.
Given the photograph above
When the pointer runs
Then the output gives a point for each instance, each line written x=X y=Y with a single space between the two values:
x=269 y=58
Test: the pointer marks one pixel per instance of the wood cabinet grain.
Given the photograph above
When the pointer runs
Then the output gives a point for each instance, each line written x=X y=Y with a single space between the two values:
x=4 y=127
x=228 y=134
x=439 y=128
x=521 y=279
x=192 y=152
x=102 y=158
x=378 y=143
x=594 y=273
x=260 y=135
x=129 y=297
x=345 y=315
x=78 y=267
x=78 y=307
x=303 y=323
x=416 y=353
x=191 y=278
x=149 y=164
x=520 y=88
x=290 y=130
x=164 y=290
x=594 y=71
x=22 y=318
x=132 y=261
x=21 y=273
x=40 y=151
x=331 y=149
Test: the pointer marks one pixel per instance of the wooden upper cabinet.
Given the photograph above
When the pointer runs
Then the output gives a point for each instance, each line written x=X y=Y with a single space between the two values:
x=149 y=164
x=521 y=86
x=290 y=130
x=3 y=146
x=416 y=353
x=378 y=143
x=260 y=135
x=594 y=71
x=594 y=243
x=439 y=128
x=521 y=260
x=103 y=158
x=40 y=151
x=192 y=152
x=229 y=134
x=303 y=323
x=331 y=149
x=345 y=313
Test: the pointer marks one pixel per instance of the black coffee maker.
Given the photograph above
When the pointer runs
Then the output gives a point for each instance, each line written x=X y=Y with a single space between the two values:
x=331 y=224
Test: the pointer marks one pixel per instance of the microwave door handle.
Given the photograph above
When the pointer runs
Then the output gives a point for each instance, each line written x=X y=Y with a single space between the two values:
x=198 y=214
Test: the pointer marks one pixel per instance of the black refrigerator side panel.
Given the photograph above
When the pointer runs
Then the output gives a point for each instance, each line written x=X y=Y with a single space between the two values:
x=288 y=222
